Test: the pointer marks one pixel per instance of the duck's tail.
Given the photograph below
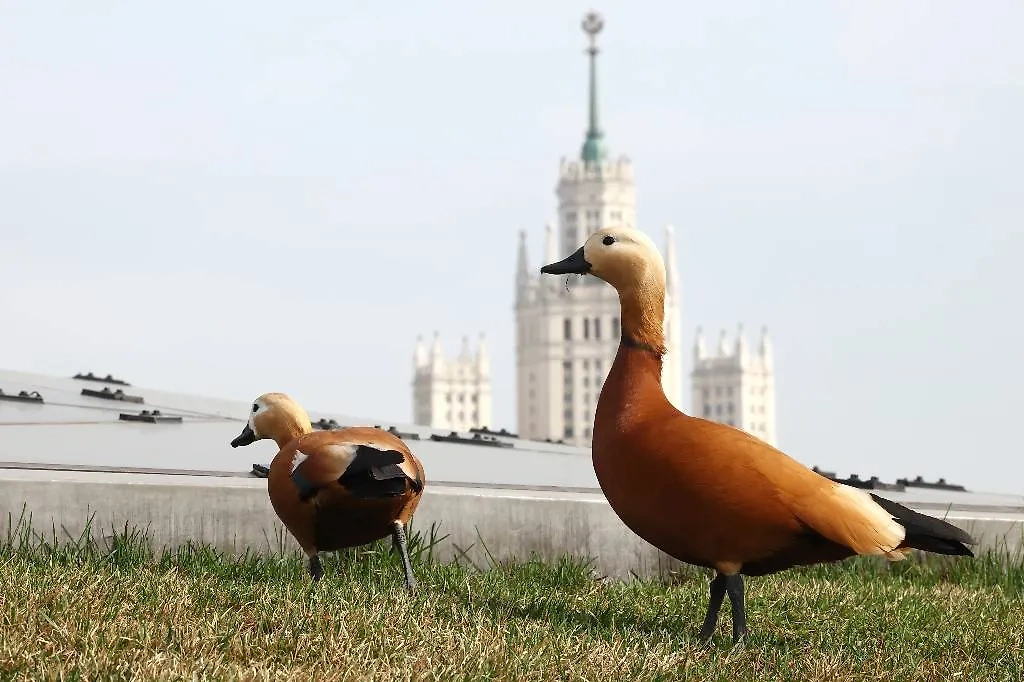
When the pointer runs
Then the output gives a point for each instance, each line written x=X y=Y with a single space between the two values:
x=927 y=533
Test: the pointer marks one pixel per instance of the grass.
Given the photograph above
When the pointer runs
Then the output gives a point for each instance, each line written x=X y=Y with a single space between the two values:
x=76 y=610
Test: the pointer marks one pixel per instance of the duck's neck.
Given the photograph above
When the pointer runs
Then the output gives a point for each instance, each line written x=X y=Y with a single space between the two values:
x=290 y=430
x=643 y=319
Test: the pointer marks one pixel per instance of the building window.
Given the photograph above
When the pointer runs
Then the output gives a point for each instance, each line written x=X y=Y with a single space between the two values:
x=705 y=393
x=570 y=216
x=718 y=391
x=568 y=432
x=567 y=329
x=731 y=408
x=728 y=391
x=586 y=327
x=707 y=410
x=718 y=409
x=615 y=326
x=597 y=328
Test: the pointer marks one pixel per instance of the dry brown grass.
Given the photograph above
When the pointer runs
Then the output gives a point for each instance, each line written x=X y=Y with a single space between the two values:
x=84 y=613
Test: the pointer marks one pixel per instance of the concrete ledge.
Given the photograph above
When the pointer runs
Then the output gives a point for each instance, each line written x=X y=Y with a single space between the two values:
x=234 y=514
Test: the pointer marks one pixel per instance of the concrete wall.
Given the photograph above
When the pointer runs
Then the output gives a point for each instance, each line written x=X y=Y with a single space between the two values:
x=234 y=514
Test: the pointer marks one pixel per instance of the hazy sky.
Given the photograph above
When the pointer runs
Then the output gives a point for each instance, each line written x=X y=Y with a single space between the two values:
x=235 y=197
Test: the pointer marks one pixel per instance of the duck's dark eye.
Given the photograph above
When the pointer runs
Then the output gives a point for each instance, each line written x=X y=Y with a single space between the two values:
x=608 y=240
x=255 y=407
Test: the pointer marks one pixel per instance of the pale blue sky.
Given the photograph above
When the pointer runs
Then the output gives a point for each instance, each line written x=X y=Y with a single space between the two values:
x=235 y=197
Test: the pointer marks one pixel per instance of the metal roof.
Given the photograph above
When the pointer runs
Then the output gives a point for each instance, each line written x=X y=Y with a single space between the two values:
x=69 y=430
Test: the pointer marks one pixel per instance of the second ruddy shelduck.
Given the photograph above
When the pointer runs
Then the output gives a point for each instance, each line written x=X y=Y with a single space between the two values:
x=706 y=493
x=336 y=489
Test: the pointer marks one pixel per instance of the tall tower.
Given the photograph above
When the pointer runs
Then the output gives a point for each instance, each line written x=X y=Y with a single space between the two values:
x=567 y=336
x=735 y=386
x=451 y=393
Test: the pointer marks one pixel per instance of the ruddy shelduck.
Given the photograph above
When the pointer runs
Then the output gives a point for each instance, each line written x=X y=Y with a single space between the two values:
x=706 y=493
x=336 y=489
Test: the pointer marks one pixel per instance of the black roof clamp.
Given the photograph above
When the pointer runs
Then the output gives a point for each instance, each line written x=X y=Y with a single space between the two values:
x=153 y=417
x=22 y=396
x=477 y=439
x=107 y=379
x=107 y=394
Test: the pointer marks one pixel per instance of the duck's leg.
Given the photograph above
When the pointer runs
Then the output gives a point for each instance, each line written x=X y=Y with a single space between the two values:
x=401 y=546
x=315 y=568
x=718 y=587
x=734 y=586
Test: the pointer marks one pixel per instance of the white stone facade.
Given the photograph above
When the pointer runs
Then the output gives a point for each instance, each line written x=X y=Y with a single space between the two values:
x=452 y=393
x=735 y=386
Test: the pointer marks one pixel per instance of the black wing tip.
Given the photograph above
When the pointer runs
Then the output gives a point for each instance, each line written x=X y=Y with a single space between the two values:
x=928 y=533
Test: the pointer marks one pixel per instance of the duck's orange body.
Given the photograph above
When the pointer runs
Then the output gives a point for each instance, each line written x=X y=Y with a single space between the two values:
x=334 y=517
x=336 y=489
x=702 y=492
x=710 y=494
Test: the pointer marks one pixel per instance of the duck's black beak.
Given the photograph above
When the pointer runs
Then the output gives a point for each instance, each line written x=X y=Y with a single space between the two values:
x=246 y=437
x=575 y=264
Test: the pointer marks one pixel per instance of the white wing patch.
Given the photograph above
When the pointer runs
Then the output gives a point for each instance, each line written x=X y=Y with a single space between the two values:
x=299 y=458
x=344 y=453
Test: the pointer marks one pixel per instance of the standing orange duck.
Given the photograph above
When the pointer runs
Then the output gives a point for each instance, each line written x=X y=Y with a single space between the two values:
x=336 y=489
x=710 y=494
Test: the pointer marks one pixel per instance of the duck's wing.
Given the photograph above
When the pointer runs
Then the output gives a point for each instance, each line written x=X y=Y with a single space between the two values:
x=840 y=513
x=365 y=462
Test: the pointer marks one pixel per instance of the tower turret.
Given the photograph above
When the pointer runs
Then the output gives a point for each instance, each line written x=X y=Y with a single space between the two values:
x=765 y=350
x=742 y=351
x=522 y=267
x=700 y=351
x=671 y=278
x=483 y=357
x=419 y=356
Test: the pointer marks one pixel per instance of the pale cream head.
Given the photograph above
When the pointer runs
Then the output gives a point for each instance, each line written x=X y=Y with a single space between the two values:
x=275 y=416
x=625 y=258
x=628 y=260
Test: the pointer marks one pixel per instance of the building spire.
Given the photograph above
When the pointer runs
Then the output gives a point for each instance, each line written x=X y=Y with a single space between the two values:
x=765 y=350
x=483 y=357
x=522 y=268
x=671 y=279
x=420 y=357
x=593 y=150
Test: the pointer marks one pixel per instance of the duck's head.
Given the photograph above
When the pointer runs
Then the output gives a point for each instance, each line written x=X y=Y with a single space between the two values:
x=275 y=416
x=624 y=257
